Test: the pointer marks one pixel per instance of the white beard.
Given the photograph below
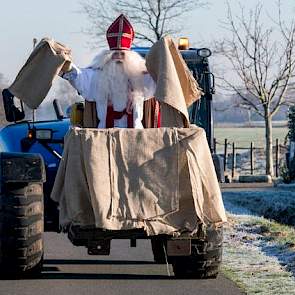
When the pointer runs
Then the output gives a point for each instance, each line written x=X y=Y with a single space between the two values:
x=115 y=85
x=122 y=84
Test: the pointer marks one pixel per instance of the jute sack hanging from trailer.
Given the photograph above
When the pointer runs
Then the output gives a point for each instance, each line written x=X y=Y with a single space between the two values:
x=159 y=179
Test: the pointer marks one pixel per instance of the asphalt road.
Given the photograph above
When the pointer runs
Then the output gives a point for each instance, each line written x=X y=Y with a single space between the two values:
x=68 y=270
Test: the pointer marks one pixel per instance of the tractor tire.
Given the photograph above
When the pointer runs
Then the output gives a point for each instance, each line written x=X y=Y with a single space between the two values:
x=21 y=229
x=205 y=257
x=158 y=250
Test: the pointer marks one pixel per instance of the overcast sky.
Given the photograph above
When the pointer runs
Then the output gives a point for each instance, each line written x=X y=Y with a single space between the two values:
x=21 y=21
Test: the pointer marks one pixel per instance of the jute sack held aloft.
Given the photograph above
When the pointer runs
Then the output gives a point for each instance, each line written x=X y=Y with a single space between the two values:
x=35 y=78
x=176 y=88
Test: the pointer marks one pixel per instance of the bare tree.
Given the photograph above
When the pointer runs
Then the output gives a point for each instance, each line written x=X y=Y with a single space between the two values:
x=152 y=18
x=262 y=61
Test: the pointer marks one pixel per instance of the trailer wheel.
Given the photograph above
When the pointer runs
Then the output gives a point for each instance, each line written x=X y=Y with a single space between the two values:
x=21 y=229
x=205 y=257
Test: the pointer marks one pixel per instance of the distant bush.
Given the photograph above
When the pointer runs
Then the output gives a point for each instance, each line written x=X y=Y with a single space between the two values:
x=291 y=123
x=288 y=171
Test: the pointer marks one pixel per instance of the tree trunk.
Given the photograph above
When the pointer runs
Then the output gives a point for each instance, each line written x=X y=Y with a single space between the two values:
x=268 y=144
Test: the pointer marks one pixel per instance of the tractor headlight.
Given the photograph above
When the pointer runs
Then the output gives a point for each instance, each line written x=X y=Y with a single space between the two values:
x=43 y=134
x=204 y=52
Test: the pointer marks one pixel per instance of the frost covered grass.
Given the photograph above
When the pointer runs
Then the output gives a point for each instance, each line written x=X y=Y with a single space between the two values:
x=284 y=235
x=259 y=254
x=278 y=205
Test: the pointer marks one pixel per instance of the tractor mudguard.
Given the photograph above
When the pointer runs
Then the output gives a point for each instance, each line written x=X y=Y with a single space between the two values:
x=22 y=167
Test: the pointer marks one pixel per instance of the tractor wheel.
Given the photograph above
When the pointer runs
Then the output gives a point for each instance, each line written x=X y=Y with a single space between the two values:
x=21 y=229
x=205 y=257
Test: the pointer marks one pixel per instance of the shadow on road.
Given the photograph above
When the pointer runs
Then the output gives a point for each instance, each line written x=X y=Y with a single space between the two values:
x=51 y=270
x=95 y=262
x=104 y=276
x=53 y=273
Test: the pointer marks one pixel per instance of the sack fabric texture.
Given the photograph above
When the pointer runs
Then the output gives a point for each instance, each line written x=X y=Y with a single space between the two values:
x=35 y=78
x=159 y=179
x=175 y=85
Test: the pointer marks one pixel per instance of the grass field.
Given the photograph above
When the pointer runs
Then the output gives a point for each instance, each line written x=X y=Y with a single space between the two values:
x=243 y=136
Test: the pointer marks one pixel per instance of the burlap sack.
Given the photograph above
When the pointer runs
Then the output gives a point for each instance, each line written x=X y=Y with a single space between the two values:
x=176 y=87
x=35 y=78
x=159 y=179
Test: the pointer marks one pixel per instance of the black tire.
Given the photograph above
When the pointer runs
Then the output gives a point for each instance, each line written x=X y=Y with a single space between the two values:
x=21 y=229
x=158 y=250
x=205 y=257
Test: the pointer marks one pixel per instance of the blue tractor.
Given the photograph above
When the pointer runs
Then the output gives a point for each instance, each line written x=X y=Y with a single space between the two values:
x=30 y=155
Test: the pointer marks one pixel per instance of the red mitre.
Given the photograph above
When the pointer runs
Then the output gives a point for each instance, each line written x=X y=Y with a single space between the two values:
x=120 y=34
